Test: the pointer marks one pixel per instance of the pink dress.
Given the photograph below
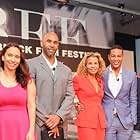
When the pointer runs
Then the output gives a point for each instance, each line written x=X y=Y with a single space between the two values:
x=14 y=122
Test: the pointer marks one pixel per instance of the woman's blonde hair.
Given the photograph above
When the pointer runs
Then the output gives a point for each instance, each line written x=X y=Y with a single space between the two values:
x=82 y=70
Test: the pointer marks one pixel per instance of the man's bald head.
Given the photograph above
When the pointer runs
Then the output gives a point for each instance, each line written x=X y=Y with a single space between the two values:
x=50 y=34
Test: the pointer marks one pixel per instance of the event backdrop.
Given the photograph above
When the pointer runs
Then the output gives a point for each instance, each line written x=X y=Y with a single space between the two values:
x=80 y=29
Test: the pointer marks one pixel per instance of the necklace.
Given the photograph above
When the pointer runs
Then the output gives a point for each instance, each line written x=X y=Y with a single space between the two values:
x=8 y=81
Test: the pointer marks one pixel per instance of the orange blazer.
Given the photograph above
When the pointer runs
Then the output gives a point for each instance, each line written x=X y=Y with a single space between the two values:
x=93 y=112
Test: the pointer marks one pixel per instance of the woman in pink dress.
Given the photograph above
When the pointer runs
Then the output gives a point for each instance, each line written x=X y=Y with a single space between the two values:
x=17 y=96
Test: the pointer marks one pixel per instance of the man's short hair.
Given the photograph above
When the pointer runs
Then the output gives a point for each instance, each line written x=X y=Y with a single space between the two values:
x=116 y=46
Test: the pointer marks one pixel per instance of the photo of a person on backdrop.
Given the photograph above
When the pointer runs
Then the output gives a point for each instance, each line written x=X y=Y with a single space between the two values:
x=80 y=29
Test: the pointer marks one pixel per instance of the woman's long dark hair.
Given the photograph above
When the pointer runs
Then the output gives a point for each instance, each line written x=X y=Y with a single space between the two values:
x=22 y=71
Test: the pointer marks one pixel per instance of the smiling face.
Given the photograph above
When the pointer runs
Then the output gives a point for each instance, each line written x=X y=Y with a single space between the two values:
x=50 y=44
x=116 y=58
x=92 y=65
x=11 y=58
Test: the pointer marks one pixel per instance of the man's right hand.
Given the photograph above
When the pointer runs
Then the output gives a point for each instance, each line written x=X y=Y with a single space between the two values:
x=54 y=132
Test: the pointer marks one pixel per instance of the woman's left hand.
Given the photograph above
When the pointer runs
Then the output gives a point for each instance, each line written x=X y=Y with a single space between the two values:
x=30 y=136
